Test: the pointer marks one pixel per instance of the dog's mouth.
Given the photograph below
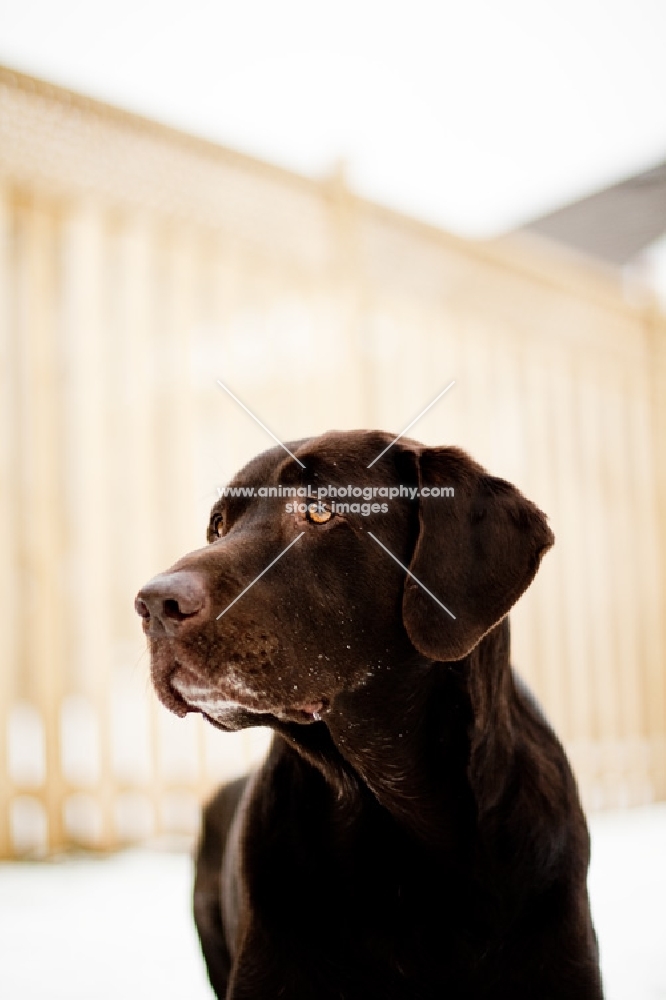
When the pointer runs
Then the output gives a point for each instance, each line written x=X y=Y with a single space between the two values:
x=223 y=703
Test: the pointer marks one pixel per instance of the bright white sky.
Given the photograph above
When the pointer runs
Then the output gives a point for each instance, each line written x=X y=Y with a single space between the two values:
x=474 y=115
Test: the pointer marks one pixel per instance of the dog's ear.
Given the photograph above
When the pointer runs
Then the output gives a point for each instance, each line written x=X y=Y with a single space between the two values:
x=477 y=551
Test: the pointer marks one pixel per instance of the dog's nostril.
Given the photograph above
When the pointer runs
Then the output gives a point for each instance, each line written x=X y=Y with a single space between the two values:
x=141 y=608
x=171 y=609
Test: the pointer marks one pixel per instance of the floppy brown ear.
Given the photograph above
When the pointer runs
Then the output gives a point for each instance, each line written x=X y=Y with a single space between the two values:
x=476 y=551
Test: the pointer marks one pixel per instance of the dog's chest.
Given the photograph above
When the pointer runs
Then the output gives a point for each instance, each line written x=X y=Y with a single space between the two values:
x=348 y=890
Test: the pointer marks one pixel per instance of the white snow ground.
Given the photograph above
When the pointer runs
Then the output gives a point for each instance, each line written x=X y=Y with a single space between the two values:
x=120 y=928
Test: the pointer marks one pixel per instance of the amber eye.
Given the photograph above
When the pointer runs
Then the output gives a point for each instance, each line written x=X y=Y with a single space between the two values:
x=318 y=513
x=218 y=526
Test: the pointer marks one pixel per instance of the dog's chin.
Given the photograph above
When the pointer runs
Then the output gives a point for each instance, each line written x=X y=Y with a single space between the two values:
x=231 y=706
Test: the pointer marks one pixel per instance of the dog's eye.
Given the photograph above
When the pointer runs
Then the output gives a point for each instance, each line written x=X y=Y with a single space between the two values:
x=318 y=513
x=218 y=526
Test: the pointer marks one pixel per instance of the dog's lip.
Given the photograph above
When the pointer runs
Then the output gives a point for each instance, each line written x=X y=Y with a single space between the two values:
x=163 y=667
x=307 y=712
x=313 y=709
x=178 y=704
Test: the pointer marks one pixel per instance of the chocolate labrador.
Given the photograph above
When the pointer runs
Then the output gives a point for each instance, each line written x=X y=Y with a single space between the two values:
x=415 y=831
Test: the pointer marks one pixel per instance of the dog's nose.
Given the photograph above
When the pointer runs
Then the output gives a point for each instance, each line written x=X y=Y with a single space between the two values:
x=171 y=598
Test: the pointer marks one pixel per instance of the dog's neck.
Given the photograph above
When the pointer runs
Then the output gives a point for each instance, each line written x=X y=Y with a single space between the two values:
x=431 y=740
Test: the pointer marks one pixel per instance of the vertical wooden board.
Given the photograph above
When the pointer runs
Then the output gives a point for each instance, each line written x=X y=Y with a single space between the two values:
x=287 y=390
x=434 y=348
x=620 y=499
x=131 y=748
x=91 y=520
x=41 y=528
x=179 y=763
x=9 y=568
x=573 y=577
x=417 y=384
x=85 y=399
x=444 y=359
x=351 y=401
x=568 y=486
x=133 y=472
x=324 y=379
x=179 y=316
x=654 y=411
x=131 y=458
x=175 y=515
x=524 y=636
x=509 y=441
x=506 y=407
x=330 y=323
x=292 y=353
x=538 y=424
x=197 y=312
x=474 y=387
x=225 y=759
x=650 y=590
x=244 y=369
x=383 y=340
x=547 y=594
x=598 y=558
x=349 y=279
x=212 y=464
x=135 y=485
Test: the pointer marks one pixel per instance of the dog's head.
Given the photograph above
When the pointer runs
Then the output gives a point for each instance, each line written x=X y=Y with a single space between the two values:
x=295 y=601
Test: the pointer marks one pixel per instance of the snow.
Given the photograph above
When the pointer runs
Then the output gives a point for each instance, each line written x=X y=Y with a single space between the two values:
x=112 y=929
x=628 y=892
x=120 y=927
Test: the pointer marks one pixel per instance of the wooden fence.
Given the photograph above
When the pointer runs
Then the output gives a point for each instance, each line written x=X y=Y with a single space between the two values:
x=137 y=266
